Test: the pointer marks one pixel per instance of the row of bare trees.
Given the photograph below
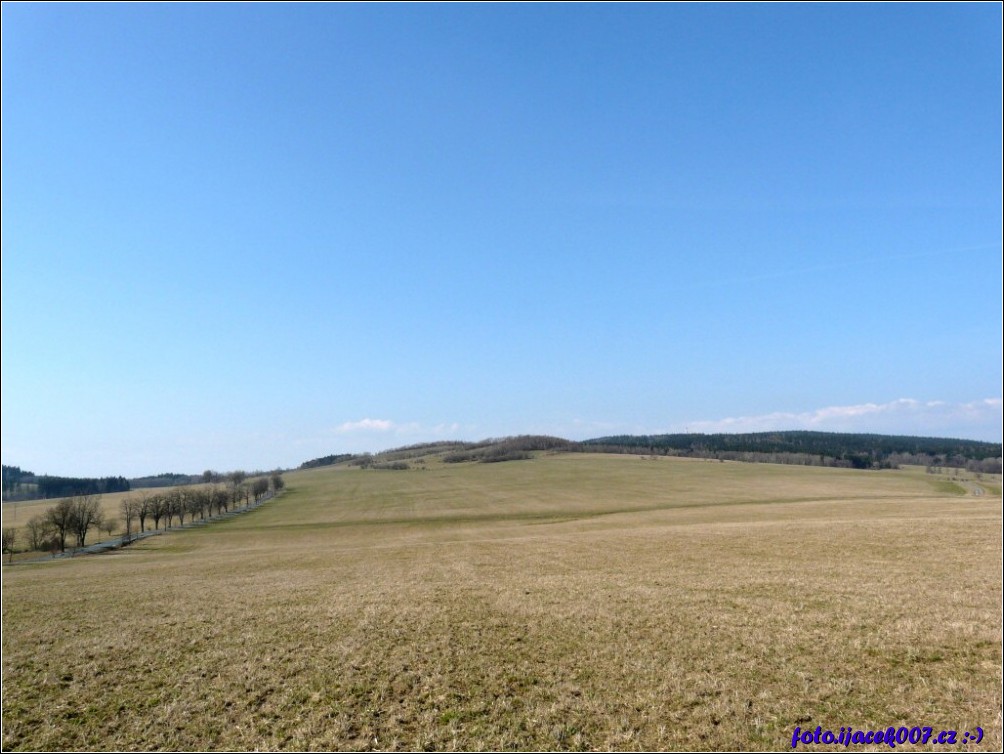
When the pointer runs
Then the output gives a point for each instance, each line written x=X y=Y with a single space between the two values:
x=72 y=518
x=195 y=502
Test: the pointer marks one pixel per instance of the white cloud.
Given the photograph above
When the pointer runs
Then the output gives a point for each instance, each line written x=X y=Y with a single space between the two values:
x=979 y=419
x=366 y=425
x=398 y=429
x=443 y=429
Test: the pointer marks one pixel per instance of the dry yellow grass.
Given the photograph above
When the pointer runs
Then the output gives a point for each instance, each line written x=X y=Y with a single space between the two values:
x=570 y=602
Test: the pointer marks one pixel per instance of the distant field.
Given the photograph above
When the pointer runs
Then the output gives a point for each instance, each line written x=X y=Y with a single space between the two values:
x=569 y=602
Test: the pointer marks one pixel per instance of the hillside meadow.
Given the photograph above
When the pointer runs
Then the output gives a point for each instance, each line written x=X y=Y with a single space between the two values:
x=572 y=601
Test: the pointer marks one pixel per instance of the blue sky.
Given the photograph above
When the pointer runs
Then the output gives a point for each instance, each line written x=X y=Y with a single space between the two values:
x=250 y=235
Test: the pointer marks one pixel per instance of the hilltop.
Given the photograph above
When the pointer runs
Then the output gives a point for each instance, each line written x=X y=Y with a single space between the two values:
x=803 y=448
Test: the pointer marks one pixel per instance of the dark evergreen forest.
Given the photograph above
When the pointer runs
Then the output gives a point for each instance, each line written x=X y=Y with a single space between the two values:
x=24 y=485
x=853 y=450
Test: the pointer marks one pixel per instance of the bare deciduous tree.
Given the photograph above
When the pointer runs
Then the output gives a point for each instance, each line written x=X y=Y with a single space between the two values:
x=195 y=503
x=143 y=512
x=259 y=487
x=179 y=502
x=276 y=482
x=86 y=513
x=60 y=519
x=157 y=509
x=9 y=539
x=221 y=500
x=130 y=512
x=38 y=530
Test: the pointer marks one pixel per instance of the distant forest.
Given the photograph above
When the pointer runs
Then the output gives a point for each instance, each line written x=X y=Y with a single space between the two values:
x=327 y=460
x=850 y=450
x=19 y=484
x=25 y=485
x=165 y=480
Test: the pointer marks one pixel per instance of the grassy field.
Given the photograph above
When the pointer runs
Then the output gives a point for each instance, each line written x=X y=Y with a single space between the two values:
x=568 y=602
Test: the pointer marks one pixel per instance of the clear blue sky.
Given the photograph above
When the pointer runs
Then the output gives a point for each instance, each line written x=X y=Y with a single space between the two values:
x=250 y=235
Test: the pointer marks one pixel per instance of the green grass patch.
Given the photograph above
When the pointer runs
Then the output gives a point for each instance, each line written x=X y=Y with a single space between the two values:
x=948 y=488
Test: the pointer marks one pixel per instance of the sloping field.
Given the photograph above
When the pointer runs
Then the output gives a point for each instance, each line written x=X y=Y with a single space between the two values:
x=568 y=602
